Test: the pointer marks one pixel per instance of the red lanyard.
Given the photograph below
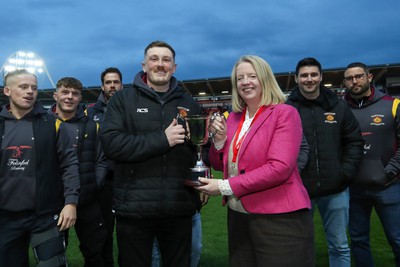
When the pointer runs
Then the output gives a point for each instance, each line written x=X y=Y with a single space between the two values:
x=237 y=144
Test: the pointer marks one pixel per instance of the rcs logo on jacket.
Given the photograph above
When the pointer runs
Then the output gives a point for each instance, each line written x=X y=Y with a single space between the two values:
x=330 y=117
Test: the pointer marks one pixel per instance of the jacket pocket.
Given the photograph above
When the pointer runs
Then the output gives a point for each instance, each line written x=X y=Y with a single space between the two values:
x=17 y=194
x=371 y=172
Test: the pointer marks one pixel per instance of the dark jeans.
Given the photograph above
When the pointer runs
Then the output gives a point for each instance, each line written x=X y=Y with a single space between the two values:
x=135 y=238
x=16 y=229
x=284 y=240
x=196 y=244
x=386 y=201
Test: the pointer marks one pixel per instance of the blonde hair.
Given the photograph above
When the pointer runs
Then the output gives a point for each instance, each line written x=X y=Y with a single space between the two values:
x=10 y=75
x=271 y=92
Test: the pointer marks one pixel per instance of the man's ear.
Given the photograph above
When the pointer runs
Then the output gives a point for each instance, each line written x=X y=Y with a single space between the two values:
x=175 y=65
x=144 y=67
x=370 y=76
x=6 y=91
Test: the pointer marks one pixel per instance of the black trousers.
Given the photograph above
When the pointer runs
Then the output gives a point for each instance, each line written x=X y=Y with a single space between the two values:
x=106 y=205
x=16 y=229
x=91 y=233
x=135 y=239
x=284 y=240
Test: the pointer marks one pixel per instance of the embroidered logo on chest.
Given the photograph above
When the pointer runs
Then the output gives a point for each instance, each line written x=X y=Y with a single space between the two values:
x=330 y=117
x=182 y=112
x=18 y=151
x=377 y=120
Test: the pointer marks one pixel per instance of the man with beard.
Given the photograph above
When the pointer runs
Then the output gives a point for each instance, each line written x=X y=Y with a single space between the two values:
x=376 y=184
x=336 y=145
x=111 y=82
x=152 y=159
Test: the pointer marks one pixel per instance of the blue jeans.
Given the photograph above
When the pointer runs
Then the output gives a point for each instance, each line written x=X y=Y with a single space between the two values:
x=196 y=244
x=386 y=201
x=334 y=211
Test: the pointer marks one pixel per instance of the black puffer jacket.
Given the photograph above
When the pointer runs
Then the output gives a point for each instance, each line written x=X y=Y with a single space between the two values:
x=96 y=111
x=334 y=138
x=149 y=175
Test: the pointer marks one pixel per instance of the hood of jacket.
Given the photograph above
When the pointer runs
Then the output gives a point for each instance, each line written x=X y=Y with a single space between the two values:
x=140 y=82
x=80 y=113
x=327 y=99
x=37 y=110
x=375 y=96
x=102 y=99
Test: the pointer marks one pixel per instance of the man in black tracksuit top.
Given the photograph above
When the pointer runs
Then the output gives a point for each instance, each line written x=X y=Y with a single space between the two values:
x=89 y=226
x=39 y=178
x=152 y=160
x=336 y=147
x=111 y=82
x=376 y=184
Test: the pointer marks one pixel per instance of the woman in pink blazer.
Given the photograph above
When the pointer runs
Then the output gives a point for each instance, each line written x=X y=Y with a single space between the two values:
x=269 y=217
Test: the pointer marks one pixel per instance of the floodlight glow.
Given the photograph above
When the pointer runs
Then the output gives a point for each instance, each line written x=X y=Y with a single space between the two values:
x=9 y=68
x=26 y=60
x=32 y=70
x=202 y=93
x=225 y=92
x=38 y=63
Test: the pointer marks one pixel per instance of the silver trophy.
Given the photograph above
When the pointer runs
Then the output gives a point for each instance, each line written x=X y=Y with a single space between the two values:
x=198 y=134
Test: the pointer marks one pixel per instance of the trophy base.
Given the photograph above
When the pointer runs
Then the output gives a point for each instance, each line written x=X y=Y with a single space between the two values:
x=193 y=183
x=196 y=172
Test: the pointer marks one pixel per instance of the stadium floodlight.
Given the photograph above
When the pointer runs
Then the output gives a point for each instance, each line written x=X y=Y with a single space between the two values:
x=30 y=61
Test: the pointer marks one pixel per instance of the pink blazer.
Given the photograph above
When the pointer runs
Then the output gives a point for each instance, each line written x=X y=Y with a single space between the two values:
x=268 y=180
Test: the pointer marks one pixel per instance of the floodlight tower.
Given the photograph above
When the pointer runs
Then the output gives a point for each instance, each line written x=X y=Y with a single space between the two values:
x=26 y=60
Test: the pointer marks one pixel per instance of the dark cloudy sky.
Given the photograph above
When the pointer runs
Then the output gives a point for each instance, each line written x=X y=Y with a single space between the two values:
x=81 y=38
